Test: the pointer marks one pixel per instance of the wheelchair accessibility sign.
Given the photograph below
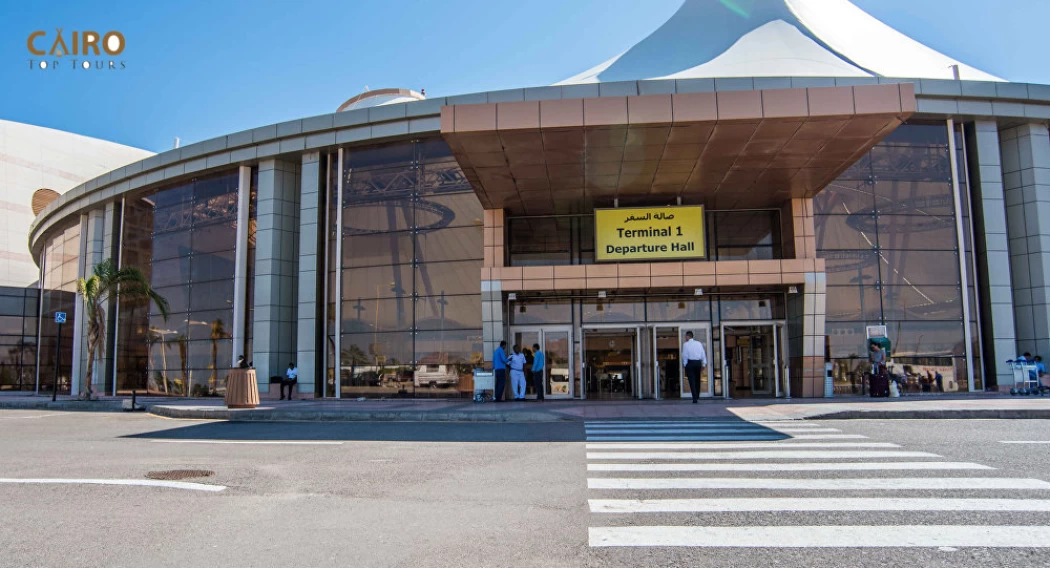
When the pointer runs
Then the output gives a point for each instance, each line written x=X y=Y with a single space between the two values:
x=60 y=317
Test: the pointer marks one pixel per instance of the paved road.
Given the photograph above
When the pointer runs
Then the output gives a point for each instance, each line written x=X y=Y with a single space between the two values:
x=606 y=493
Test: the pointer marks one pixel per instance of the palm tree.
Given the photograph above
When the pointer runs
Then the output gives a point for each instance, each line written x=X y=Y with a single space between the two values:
x=107 y=282
x=183 y=344
x=218 y=331
x=355 y=355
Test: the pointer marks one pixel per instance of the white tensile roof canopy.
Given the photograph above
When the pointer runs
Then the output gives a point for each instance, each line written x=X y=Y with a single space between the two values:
x=776 y=38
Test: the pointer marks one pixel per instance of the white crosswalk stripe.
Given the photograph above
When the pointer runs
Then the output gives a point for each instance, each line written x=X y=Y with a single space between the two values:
x=670 y=470
x=825 y=536
x=758 y=455
x=789 y=505
x=735 y=446
x=812 y=466
x=867 y=484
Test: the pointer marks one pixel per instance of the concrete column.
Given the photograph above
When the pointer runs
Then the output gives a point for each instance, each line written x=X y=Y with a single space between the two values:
x=1026 y=183
x=309 y=335
x=993 y=257
x=276 y=270
x=806 y=309
x=491 y=286
x=96 y=244
x=240 y=263
x=806 y=331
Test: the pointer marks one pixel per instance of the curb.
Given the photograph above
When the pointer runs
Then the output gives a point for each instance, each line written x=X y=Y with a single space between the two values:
x=963 y=414
x=255 y=415
x=70 y=405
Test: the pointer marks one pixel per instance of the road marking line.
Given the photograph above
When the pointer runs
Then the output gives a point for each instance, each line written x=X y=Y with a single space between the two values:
x=686 y=429
x=133 y=482
x=1024 y=441
x=684 y=432
x=681 y=438
x=676 y=425
x=30 y=417
x=800 y=505
x=757 y=455
x=690 y=422
x=961 y=536
x=826 y=466
x=804 y=430
x=828 y=437
x=883 y=483
x=257 y=442
x=732 y=446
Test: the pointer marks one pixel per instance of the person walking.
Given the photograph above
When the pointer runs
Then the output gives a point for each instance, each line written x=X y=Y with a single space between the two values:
x=539 y=363
x=694 y=359
x=517 y=373
x=291 y=377
x=499 y=366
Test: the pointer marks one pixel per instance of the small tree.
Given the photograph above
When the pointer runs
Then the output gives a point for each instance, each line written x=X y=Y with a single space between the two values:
x=108 y=281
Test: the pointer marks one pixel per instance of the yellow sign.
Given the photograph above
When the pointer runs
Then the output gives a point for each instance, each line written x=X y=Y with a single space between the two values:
x=649 y=233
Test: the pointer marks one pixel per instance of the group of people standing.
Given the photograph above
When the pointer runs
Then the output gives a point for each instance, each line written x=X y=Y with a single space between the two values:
x=523 y=365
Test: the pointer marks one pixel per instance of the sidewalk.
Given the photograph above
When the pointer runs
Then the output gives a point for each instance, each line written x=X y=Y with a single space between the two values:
x=458 y=410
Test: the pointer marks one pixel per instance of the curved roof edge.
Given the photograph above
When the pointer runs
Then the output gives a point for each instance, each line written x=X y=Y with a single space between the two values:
x=380 y=97
x=1018 y=101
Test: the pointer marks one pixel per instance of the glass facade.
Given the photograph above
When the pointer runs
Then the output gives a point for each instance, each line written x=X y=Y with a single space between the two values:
x=19 y=309
x=61 y=259
x=183 y=238
x=886 y=229
x=408 y=291
x=403 y=308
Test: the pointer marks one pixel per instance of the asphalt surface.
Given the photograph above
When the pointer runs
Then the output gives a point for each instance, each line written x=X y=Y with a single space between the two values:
x=447 y=494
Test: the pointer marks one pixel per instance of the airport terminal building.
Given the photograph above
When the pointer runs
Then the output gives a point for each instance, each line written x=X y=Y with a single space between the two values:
x=784 y=182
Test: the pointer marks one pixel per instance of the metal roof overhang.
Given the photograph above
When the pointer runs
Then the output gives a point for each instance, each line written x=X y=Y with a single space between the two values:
x=727 y=150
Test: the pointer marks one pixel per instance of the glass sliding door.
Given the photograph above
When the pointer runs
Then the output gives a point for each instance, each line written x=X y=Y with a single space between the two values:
x=701 y=333
x=555 y=342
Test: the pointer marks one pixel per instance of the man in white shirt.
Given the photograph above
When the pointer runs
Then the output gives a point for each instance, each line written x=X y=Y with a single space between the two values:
x=291 y=377
x=517 y=373
x=694 y=358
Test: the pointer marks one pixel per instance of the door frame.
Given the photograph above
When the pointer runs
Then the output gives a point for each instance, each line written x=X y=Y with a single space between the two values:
x=541 y=330
x=635 y=355
x=680 y=329
x=779 y=352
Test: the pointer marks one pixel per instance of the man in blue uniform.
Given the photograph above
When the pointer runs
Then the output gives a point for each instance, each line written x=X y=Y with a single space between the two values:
x=499 y=365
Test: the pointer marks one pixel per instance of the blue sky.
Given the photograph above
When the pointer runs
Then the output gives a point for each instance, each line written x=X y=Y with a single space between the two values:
x=199 y=69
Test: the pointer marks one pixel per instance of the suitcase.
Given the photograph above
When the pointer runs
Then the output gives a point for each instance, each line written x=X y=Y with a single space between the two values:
x=879 y=386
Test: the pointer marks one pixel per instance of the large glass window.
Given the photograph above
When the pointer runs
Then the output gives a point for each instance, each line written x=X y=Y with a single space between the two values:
x=19 y=308
x=59 y=278
x=410 y=298
x=183 y=238
x=887 y=231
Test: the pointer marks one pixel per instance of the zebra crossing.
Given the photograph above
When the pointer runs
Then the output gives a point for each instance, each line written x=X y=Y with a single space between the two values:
x=699 y=473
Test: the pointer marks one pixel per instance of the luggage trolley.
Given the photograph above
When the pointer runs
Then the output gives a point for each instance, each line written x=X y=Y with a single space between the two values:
x=1026 y=380
x=484 y=381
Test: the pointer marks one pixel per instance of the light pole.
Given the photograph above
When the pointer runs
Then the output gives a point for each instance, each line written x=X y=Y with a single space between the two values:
x=375 y=326
x=441 y=336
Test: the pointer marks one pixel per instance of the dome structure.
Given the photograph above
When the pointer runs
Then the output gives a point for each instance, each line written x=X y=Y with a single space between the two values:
x=776 y=38
x=380 y=97
x=37 y=165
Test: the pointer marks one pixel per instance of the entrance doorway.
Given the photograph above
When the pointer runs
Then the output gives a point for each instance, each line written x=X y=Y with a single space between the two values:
x=641 y=361
x=668 y=367
x=753 y=358
x=610 y=357
x=557 y=349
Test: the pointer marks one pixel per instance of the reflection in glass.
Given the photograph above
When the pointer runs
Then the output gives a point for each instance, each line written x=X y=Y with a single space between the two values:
x=613 y=310
x=191 y=264
x=911 y=281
